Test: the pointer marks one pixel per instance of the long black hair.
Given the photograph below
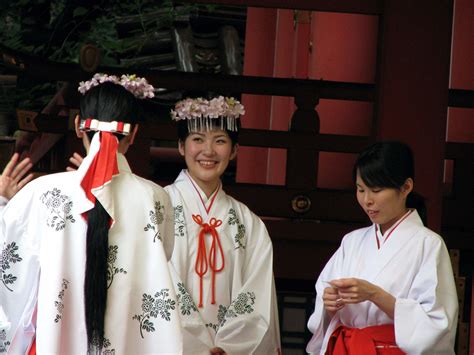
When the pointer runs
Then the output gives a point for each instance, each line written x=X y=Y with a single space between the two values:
x=105 y=102
x=389 y=164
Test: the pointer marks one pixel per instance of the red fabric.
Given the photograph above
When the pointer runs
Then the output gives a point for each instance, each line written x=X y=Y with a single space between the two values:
x=32 y=350
x=103 y=167
x=376 y=340
x=202 y=264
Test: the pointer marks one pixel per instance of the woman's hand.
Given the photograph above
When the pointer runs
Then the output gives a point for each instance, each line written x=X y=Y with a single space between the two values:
x=354 y=290
x=13 y=177
x=332 y=301
x=217 y=351
x=76 y=161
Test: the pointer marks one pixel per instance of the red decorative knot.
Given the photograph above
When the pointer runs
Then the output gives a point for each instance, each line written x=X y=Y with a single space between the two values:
x=202 y=263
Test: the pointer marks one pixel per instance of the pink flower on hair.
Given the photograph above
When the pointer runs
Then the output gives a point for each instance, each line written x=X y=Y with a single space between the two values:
x=139 y=87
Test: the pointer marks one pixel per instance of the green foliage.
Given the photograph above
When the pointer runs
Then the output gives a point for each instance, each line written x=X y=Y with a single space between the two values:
x=57 y=29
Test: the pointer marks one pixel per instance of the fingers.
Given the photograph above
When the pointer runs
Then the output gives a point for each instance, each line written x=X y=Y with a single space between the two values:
x=76 y=161
x=21 y=169
x=332 y=300
x=24 y=181
x=11 y=164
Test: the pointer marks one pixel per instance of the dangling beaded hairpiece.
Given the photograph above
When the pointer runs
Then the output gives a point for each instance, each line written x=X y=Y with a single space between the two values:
x=205 y=115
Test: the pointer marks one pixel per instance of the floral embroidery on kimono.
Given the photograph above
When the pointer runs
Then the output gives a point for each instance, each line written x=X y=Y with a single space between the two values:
x=112 y=270
x=179 y=222
x=185 y=301
x=59 y=304
x=156 y=218
x=60 y=207
x=9 y=255
x=239 y=236
x=152 y=307
x=4 y=343
x=242 y=305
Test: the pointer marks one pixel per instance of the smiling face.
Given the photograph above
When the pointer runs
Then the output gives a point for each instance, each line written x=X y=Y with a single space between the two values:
x=383 y=205
x=207 y=155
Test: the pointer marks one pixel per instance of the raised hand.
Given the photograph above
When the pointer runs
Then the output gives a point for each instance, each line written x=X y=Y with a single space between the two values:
x=13 y=177
x=76 y=161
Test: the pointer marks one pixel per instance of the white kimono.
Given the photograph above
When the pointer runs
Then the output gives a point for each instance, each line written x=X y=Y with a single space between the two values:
x=43 y=242
x=244 y=318
x=414 y=266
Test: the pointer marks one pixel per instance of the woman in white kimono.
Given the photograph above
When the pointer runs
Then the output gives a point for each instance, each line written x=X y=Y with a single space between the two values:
x=389 y=288
x=222 y=262
x=85 y=253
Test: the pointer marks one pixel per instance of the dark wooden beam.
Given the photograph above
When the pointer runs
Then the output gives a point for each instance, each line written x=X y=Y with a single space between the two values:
x=461 y=98
x=43 y=69
x=368 y=7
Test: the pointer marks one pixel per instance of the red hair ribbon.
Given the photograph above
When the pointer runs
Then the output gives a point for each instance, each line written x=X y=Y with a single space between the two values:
x=103 y=167
x=202 y=264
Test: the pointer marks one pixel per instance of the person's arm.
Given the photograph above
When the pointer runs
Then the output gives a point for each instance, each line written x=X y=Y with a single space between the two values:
x=13 y=177
x=249 y=325
x=352 y=290
x=425 y=321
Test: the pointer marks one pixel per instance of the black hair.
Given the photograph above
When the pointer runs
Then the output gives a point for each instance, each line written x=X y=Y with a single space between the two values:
x=183 y=130
x=105 y=102
x=389 y=164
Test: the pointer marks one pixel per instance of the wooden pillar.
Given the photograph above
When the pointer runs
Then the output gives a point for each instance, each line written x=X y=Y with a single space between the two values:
x=413 y=88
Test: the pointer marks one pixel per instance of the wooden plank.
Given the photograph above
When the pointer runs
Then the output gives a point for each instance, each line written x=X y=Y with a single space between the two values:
x=42 y=69
x=328 y=205
x=461 y=98
x=308 y=230
x=369 y=7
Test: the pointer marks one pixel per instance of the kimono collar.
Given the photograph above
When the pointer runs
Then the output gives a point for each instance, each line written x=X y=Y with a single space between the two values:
x=397 y=226
x=205 y=202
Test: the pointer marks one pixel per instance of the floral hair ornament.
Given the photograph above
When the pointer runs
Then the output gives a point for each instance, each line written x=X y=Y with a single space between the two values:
x=204 y=115
x=138 y=86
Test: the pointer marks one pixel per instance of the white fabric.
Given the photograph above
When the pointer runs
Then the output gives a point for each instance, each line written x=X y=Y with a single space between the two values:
x=43 y=241
x=414 y=266
x=3 y=202
x=244 y=319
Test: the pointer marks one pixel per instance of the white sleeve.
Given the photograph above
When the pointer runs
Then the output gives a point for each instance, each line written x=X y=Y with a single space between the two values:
x=425 y=322
x=19 y=278
x=250 y=320
x=319 y=321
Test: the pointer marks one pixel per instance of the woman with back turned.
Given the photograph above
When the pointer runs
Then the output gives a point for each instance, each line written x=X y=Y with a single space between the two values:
x=85 y=253
x=389 y=288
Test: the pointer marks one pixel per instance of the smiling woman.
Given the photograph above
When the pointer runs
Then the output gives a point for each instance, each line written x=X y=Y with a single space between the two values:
x=222 y=263
x=207 y=155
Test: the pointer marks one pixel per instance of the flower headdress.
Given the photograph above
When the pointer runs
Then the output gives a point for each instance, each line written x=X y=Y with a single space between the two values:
x=138 y=86
x=101 y=164
x=203 y=115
